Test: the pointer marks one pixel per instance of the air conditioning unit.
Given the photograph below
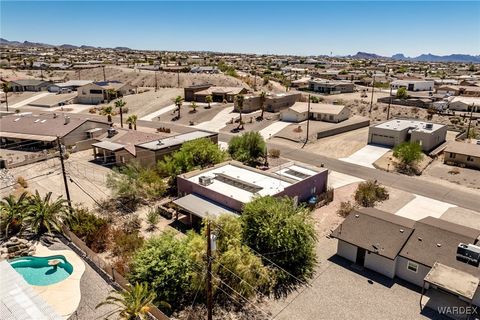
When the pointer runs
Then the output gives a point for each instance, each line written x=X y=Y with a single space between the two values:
x=468 y=253
x=205 y=181
x=429 y=126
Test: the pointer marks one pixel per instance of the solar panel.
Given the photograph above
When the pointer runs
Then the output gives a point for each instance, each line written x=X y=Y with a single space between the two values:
x=247 y=186
x=297 y=174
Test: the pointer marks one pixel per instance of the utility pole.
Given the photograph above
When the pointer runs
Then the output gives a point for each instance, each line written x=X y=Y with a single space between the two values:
x=373 y=89
x=209 y=274
x=178 y=78
x=470 y=120
x=308 y=122
x=389 y=103
x=78 y=74
x=156 y=82
x=67 y=192
x=104 y=75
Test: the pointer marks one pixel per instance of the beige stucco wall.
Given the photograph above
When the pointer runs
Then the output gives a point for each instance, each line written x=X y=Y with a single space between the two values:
x=380 y=264
x=461 y=159
x=347 y=250
x=402 y=272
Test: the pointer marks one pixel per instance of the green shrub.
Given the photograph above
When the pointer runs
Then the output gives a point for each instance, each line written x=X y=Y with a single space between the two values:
x=369 y=193
x=93 y=230
x=125 y=244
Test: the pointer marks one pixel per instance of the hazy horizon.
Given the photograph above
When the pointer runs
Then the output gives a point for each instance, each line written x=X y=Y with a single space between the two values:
x=290 y=28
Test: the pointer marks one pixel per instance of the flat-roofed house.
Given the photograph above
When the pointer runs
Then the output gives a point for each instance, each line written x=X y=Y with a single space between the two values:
x=413 y=85
x=318 y=111
x=373 y=239
x=331 y=86
x=462 y=154
x=396 y=131
x=457 y=90
x=98 y=92
x=230 y=185
x=22 y=85
x=219 y=94
x=274 y=102
x=461 y=103
x=40 y=132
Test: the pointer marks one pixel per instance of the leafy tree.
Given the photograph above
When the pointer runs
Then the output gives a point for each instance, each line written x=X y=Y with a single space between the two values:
x=368 y=193
x=199 y=153
x=248 y=148
x=132 y=181
x=131 y=304
x=402 y=93
x=283 y=232
x=12 y=212
x=107 y=111
x=120 y=104
x=314 y=99
x=178 y=102
x=209 y=100
x=45 y=215
x=6 y=88
x=240 y=98
x=164 y=262
x=132 y=121
x=408 y=153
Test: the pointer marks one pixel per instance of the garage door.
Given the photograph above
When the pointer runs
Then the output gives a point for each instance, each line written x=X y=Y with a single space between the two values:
x=382 y=140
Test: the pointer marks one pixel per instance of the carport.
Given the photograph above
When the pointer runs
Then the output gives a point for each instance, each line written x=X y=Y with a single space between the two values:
x=200 y=207
x=458 y=283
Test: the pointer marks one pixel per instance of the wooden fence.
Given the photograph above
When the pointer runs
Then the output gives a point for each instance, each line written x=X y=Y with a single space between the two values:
x=113 y=274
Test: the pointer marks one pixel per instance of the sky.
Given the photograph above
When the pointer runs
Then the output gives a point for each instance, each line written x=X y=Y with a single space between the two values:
x=272 y=27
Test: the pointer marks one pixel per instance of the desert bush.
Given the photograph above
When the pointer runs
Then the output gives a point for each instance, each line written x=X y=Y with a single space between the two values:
x=346 y=207
x=152 y=218
x=93 y=230
x=369 y=193
x=274 y=153
x=454 y=171
x=22 y=182
x=132 y=224
x=124 y=244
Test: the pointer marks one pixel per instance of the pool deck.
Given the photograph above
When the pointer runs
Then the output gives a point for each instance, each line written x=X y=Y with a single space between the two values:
x=64 y=296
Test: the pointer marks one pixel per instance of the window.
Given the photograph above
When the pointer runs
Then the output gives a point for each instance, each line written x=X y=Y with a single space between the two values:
x=452 y=155
x=122 y=159
x=94 y=91
x=469 y=158
x=412 y=266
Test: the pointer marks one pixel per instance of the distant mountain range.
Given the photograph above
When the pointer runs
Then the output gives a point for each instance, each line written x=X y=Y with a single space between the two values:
x=463 y=58
x=45 y=45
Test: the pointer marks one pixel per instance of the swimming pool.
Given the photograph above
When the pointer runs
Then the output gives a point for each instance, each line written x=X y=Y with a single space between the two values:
x=38 y=272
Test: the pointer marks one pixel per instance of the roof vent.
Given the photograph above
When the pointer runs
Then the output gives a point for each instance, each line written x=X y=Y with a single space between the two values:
x=67 y=120
x=439 y=245
x=205 y=181
x=401 y=230
x=420 y=239
x=356 y=216
x=160 y=142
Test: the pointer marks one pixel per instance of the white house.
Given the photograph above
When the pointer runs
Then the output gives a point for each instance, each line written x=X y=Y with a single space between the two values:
x=318 y=111
x=413 y=85
x=460 y=103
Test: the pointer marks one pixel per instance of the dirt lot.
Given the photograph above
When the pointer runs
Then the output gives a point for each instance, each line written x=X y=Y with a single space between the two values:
x=338 y=146
x=251 y=124
x=465 y=177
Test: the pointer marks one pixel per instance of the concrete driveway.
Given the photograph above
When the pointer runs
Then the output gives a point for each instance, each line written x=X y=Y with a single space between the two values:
x=367 y=155
x=217 y=122
x=153 y=115
x=421 y=207
x=338 y=180
x=274 y=128
x=29 y=100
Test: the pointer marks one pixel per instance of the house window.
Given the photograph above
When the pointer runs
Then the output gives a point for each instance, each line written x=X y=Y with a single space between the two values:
x=469 y=158
x=122 y=159
x=412 y=266
x=452 y=155
x=330 y=117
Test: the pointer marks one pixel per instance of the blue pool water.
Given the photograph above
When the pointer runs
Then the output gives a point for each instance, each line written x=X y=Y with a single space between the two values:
x=37 y=272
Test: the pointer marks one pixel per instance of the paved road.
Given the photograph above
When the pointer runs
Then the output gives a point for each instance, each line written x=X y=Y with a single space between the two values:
x=460 y=197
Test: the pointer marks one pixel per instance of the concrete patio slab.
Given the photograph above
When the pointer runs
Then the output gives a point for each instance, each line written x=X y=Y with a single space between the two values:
x=274 y=128
x=367 y=155
x=217 y=122
x=421 y=207
x=338 y=180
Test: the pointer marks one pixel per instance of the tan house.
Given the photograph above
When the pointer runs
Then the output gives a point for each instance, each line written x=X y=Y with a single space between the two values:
x=274 y=102
x=219 y=94
x=99 y=92
x=318 y=111
x=120 y=146
x=462 y=154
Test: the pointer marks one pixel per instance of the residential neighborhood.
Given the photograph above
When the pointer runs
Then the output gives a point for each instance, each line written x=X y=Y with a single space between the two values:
x=302 y=160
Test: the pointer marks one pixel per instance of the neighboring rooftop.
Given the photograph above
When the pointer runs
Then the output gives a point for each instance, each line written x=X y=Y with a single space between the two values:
x=414 y=125
x=452 y=280
x=175 y=140
x=317 y=107
x=468 y=149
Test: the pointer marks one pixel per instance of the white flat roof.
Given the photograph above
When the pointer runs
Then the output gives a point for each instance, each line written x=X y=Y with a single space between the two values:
x=175 y=140
x=402 y=124
x=269 y=184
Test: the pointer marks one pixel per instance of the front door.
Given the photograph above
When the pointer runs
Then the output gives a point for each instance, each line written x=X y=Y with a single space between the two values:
x=360 y=256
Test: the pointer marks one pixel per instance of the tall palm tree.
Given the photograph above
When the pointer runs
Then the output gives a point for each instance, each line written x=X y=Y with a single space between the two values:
x=13 y=211
x=240 y=98
x=6 y=88
x=112 y=94
x=132 y=121
x=178 y=102
x=45 y=215
x=263 y=98
x=133 y=304
x=120 y=104
x=208 y=99
x=107 y=111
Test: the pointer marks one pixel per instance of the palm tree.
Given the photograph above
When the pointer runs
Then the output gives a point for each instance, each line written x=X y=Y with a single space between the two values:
x=132 y=121
x=263 y=98
x=120 y=104
x=6 y=87
x=133 y=304
x=45 y=215
x=240 y=99
x=13 y=210
x=178 y=102
x=208 y=99
x=107 y=111
x=194 y=106
x=111 y=94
